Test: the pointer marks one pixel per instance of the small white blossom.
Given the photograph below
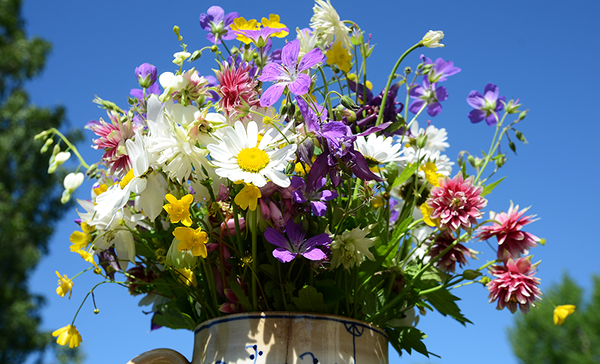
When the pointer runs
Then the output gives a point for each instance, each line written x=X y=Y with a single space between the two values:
x=351 y=247
x=432 y=39
x=71 y=182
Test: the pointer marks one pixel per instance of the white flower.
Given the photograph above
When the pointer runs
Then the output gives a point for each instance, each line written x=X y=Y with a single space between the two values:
x=171 y=83
x=432 y=39
x=326 y=22
x=436 y=138
x=308 y=41
x=71 y=182
x=57 y=159
x=378 y=149
x=350 y=248
x=179 y=57
x=240 y=156
x=442 y=161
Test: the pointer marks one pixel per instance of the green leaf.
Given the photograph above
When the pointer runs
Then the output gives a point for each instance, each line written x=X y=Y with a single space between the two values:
x=489 y=188
x=241 y=296
x=173 y=318
x=405 y=175
x=310 y=300
x=444 y=302
x=407 y=338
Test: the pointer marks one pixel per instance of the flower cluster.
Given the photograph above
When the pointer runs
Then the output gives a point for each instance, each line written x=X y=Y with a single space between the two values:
x=268 y=182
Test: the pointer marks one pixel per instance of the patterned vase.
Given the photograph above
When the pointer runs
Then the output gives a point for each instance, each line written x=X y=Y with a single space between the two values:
x=280 y=338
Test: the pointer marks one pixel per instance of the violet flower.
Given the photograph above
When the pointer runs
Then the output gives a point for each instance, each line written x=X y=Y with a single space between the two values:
x=366 y=115
x=146 y=75
x=486 y=106
x=289 y=73
x=288 y=248
x=312 y=194
x=429 y=94
x=218 y=24
x=440 y=69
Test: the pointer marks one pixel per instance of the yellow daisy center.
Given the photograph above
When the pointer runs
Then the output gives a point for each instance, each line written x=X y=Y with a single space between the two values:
x=128 y=177
x=252 y=159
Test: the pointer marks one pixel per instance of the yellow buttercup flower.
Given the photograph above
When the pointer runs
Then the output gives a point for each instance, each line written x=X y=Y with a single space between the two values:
x=340 y=57
x=431 y=174
x=273 y=23
x=64 y=285
x=179 y=210
x=426 y=211
x=241 y=24
x=88 y=257
x=248 y=197
x=68 y=335
x=190 y=239
x=561 y=312
x=81 y=239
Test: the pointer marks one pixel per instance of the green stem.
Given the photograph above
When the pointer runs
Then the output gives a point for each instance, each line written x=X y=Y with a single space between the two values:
x=327 y=93
x=71 y=147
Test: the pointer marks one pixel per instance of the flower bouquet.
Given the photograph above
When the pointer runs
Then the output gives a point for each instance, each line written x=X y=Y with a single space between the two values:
x=284 y=183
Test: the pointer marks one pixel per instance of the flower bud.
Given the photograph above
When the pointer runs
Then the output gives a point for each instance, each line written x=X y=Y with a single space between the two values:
x=432 y=39
x=348 y=103
x=512 y=147
x=485 y=280
x=522 y=115
x=502 y=159
x=46 y=145
x=197 y=54
x=407 y=71
x=521 y=137
x=146 y=75
x=472 y=161
x=41 y=135
x=96 y=311
x=471 y=274
x=214 y=48
x=57 y=160
x=422 y=141
x=176 y=31
x=179 y=57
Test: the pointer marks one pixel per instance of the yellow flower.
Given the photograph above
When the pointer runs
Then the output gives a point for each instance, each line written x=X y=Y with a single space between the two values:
x=68 y=334
x=64 y=285
x=80 y=240
x=128 y=177
x=273 y=23
x=432 y=39
x=87 y=256
x=339 y=56
x=100 y=189
x=248 y=197
x=431 y=174
x=377 y=202
x=179 y=210
x=426 y=211
x=352 y=77
x=561 y=312
x=187 y=276
x=301 y=168
x=241 y=24
x=190 y=239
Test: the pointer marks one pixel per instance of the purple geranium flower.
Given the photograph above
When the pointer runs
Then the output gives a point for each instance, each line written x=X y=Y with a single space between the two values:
x=440 y=69
x=486 y=106
x=429 y=94
x=313 y=195
x=366 y=115
x=217 y=24
x=288 y=248
x=146 y=75
x=289 y=73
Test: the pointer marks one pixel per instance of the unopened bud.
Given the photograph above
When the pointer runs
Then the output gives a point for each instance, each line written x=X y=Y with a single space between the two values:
x=96 y=311
x=97 y=270
x=472 y=161
x=176 y=31
x=512 y=147
x=485 y=280
x=214 y=48
x=46 y=145
x=197 y=54
x=234 y=50
x=284 y=109
x=56 y=150
x=291 y=110
x=521 y=137
x=471 y=274
x=41 y=135
x=348 y=103
x=407 y=71
x=501 y=160
x=522 y=115
x=422 y=141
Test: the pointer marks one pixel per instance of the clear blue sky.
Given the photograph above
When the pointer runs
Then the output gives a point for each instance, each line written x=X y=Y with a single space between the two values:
x=540 y=52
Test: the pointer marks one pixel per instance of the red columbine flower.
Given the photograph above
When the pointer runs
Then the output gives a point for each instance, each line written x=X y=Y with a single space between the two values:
x=455 y=255
x=456 y=202
x=237 y=90
x=515 y=284
x=508 y=232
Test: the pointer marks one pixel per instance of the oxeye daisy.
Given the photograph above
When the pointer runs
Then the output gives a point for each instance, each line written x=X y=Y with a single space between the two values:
x=240 y=155
x=377 y=149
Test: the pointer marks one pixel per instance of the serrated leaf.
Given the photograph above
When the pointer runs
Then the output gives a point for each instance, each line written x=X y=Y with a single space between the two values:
x=170 y=316
x=407 y=338
x=444 y=302
x=489 y=188
x=310 y=300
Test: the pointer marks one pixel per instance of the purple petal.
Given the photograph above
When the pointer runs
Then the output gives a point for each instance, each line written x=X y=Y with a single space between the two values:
x=318 y=208
x=276 y=238
x=310 y=59
x=320 y=239
x=327 y=195
x=376 y=129
x=290 y=52
x=361 y=169
x=314 y=254
x=476 y=115
x=229 y=19
x=301 y=85
x=417 y=91
x=500 y=105
x=205 y=22
x=298 y=197
x=491 y=92
x=271 y=95
x=271 y=72
x=475 y=100
x=284 y=256
x=137 y=93
x=416 y=105
x=215 y=14
x=294 y=232
x=441 y=94
x=491 y=119
x=434 y=108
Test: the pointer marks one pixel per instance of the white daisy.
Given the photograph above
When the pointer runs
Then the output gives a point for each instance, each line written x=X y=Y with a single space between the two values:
x=326 y=22
x=436 y=138
x=377 y=149
x=240 y=155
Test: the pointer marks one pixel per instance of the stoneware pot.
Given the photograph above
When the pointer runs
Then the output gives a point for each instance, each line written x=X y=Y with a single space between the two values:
x=280 y=338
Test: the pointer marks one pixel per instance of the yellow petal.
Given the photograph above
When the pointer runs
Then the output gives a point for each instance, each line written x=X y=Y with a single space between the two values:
x=561 y=312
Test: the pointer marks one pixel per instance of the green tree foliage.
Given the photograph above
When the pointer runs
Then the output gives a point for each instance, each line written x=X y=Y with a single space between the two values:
x=29 y=197
x=535 y=338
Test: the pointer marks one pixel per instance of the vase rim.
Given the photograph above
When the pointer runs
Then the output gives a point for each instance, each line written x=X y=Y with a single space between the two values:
x=286 y=314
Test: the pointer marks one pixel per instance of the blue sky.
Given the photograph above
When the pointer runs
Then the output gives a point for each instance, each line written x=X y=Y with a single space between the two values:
x=539 y=52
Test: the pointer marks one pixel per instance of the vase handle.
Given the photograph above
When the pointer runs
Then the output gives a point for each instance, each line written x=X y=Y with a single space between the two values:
x=159 y=356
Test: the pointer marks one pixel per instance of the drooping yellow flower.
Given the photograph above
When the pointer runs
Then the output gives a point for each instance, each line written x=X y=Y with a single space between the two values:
x=273 y=23
x=561 y=312
x=241 y=24
x=431 y=174
x=187 y=276
x=426 y=211
x=179 y=210
x=248 y=197
x=68 y=335
x=88 y=257
x=64 y=285
x=340 y=57
x=190 y=239
x=81 y=239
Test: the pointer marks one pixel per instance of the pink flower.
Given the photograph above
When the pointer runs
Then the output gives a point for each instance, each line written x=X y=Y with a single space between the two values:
x=112 y=140
x=457 y=203
x=508 y=232
x=515 y=284
x=237 y=90
x=455 y=255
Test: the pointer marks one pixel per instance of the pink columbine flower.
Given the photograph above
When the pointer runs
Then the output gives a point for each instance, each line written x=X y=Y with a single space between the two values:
x=457 y=203
x=237 y=90
x=515 y=285
x=455 y=255
x=508 y=232
x=112 y=140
